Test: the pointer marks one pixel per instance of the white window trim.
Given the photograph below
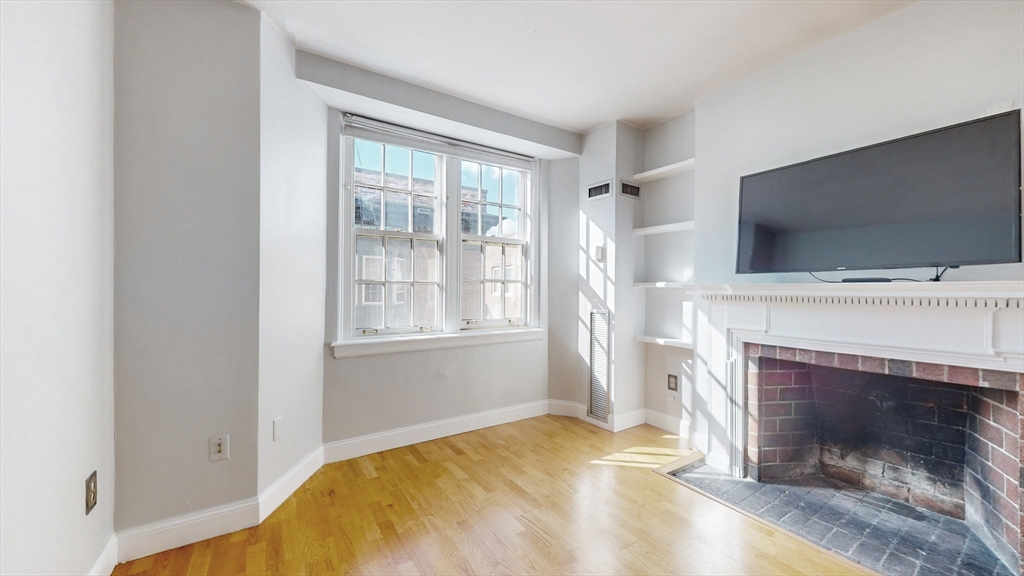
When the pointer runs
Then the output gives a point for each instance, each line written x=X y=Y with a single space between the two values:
x=450 y=333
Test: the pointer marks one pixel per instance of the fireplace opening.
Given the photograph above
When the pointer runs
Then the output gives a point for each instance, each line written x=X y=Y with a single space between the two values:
x=941 y=438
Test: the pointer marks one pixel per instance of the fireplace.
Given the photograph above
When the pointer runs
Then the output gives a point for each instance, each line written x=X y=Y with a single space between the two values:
x=940 y=437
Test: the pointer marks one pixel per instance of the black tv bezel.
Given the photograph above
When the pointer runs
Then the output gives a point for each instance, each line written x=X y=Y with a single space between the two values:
x=1016 y=113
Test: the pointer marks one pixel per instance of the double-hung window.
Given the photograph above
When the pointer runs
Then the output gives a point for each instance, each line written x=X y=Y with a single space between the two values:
x=437 y=234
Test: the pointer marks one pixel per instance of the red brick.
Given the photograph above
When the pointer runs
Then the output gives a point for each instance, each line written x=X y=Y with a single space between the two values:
x=753 y=379
x=769 y=425
x=961 y=375
x=1010 y=532
x=995 y=395
x=1013 y=493
x=775 y=440
x=752 y=425
x=1011 y=445
x=983 y=408
x=753 y=454
x=798 y=454
x=944 y=506
x=806 y=356
x=1004 y=507
x=769 y=456
x=778 y=379
x=787 y=353
x=999 y=379
x=768 y=364
x=777 y=409
x=825 y=358
x=872 y=364
x=1005 y=464
x=802 y=378
x=848 y=361
x=886 y=488
x=751 y=348
x=791 y=366
x=769 y=395
x=795 y=424
x=1005 y=418
x=930 y=371
x=990 y=432
x=769 y=351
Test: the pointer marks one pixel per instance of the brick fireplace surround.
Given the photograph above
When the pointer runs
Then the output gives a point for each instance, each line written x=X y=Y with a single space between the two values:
x=941 y=437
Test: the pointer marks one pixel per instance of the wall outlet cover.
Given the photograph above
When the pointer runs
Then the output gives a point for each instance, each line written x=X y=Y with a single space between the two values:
x=673 y=382
x=91 y=492
x=220 y=447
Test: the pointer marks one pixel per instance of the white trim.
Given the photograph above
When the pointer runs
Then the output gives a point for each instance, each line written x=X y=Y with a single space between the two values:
x=668 y=423
x=664 y=228
x=107 y=559
x=674 y=342
x=391 y=439
x=289 y=482
x=395 y=345
x=565 y=408
x=628 y=420
x=666 y=171
x=178 y=531
x=922 y=294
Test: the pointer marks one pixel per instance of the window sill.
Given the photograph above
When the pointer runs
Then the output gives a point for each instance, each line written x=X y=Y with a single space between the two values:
x=397 y=345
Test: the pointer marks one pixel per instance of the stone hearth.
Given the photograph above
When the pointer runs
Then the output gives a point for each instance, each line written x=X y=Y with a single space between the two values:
x=939 y=437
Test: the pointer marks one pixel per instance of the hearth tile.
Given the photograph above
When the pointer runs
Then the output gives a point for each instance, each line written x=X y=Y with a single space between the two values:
x=794 y=521
x=898 y=565
x=776 y=512
x=868 y=553
x=998 y=379
x=901 y=368
x=926 y=371
x=841 y=541
x=816 y=530
x=961 y=375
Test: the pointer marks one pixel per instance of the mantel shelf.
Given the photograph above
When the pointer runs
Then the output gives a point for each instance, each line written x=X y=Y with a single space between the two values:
x=674 y=342
x=663 y=285
x=664 y=228
x=665 y=171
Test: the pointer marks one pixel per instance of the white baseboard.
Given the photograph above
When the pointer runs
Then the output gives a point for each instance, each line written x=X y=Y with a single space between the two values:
x=668 y=423
x=107 y=559
x=185 y=529
x=628 y=420
x=565 y=408
x=289 y=482
x=371 y=443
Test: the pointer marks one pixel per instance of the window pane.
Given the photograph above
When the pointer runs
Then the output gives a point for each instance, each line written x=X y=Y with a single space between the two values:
x=369 y=258
x=472 y=261
x=424 y=307
x=396 y=167
x=369 y=306
x=492 y=261
x=397 y=215
x=426 y=261
x=367 y=210
x=424 y=214
x=509 y=223
x=510 y=187
x=513 y=262
x=470 y=181
x=399 y=260
x=470 y=218
x=471 y=300
x=492 y=300
x=368 y=158
x=399 y=308
x=513 y=300
x=423 y=168
x=490 y=220
x=490 y=187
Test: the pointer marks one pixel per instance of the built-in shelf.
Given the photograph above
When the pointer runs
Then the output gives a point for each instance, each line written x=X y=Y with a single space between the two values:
x=674 y=342
x=664 y=228
x=663 y=285
x=665 y=171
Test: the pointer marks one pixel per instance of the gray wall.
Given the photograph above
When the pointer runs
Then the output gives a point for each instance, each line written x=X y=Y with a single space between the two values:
x=187 y=153
x=293 y=259
x=927 y=66
x=566 y=359
x=57 y=282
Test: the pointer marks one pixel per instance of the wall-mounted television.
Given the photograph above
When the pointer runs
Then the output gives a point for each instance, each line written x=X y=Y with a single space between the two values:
x=948 y=197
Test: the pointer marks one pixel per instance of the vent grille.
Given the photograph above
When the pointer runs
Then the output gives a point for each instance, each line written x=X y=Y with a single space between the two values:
x=630 y=190
x=599 y=365
x=599 y=190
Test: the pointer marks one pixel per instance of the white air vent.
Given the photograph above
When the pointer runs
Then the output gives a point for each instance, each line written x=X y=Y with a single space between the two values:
x=599 y=365
x=631 y=190
x=599 y=190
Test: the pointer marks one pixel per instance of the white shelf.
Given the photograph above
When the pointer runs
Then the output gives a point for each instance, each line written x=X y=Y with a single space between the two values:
x=663 y=285
x=674 y=342
x=665 y=171
x=664 y=228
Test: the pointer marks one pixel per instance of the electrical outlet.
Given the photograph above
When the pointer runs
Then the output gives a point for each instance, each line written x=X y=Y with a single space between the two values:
x=277 y=428
x=220 y=447
x=90 y=492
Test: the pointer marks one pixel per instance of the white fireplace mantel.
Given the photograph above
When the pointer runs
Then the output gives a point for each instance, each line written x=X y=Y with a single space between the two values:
x=973 y=324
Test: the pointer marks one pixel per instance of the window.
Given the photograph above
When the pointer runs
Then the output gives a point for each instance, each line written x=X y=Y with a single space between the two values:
x=437 y=235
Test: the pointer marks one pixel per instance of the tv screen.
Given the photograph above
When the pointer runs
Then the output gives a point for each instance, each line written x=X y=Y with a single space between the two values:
x=949 y=197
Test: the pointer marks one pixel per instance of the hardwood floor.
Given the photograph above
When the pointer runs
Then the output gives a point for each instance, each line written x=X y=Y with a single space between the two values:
x=548 y=495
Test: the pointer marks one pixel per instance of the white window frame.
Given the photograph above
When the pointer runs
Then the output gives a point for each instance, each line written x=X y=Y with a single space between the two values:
x=341 y=332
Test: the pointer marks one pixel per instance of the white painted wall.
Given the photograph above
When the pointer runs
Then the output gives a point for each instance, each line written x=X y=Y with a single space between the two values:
x=293 y=259
x=927 y=66
x=57 y=282
x=187 y=211
x=566 y=361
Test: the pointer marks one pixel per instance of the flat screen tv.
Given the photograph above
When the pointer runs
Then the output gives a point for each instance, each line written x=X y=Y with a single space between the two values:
x=948 y=197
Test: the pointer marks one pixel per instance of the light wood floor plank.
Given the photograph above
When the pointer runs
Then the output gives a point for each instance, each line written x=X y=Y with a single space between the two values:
x=547 y=495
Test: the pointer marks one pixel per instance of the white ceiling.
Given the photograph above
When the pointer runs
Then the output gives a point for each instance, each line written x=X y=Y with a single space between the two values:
x=575 y=65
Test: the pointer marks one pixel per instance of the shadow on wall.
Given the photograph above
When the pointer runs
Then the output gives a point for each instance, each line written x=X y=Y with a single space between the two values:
x=596 y=292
